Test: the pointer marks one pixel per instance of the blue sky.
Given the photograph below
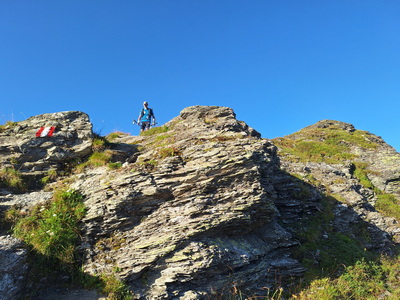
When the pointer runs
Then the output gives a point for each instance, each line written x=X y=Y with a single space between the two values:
x=281 y=65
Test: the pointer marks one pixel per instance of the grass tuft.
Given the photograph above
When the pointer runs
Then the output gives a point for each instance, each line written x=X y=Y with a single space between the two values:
x=97 y=159
x=114 y=135
x=114 y=288
x=12 y=179
x=388 y=205
x=8 y=125
x=51 y=176
x=155 y=130
x=169 y=152
x=363 y=280
x=51 y=229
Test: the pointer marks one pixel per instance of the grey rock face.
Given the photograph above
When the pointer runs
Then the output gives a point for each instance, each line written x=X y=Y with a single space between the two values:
x=209 y=121
x=197 y=217
x=32 y=156
x=383 y=160
x=385 y=167
x=330 y=123
x=355 y=202
x=13 y=267
x=72 y=138
x=207 y=212
x=23 y=201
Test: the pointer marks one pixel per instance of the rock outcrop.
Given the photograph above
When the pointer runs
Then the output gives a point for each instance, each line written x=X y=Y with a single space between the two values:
x=382 y=160
x=13 y=267
x=33 y=157
x=203 y=204
x=22 y=149
x=356 y=203
x=202 y=214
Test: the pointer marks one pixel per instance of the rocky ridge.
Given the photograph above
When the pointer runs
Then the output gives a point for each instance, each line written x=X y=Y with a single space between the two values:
x=205 y=204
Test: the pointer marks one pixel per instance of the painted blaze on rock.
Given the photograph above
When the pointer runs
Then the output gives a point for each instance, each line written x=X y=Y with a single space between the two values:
x=42 y=141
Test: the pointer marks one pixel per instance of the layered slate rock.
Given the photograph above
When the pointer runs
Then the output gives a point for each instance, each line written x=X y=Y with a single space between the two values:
x=207 y=204
x=201 y=214
x=21 y=148
x=13 y=267
x=210 y=121
x=203 y=205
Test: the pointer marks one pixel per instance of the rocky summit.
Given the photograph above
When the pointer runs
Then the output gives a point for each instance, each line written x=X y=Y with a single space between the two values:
x=201 y=206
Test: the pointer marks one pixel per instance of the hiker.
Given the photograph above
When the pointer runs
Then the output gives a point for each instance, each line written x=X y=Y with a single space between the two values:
x=146 y=117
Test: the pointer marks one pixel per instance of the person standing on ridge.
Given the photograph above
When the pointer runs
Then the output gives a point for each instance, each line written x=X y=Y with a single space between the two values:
x=146 y=117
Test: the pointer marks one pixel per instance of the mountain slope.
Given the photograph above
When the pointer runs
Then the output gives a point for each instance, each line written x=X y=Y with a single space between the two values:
x=202 y=206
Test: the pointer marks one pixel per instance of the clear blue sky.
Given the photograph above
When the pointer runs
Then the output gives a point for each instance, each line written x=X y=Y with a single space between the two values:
x=281 y=65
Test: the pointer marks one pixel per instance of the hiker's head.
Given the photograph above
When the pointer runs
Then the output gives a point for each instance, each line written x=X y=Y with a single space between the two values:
x=145 y=103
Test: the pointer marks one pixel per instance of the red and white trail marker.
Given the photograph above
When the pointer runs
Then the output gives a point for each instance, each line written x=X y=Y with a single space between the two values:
x=45 y=131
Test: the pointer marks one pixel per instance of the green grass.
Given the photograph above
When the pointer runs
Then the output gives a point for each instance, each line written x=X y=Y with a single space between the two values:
x=102 y=154
x=114 y=165
x=8 y=125
x=361 y=172
x=12 y=179
x=322 y=250
x=51 y=176
x=105 y=284
x=162 y=137
x=146 y=166
x=362 y=281
x=334 y=136
x=114 y=135
x=52 y=229
x=330 y=145
x=315 y=151
x=338 y=266
x=97 y=159
x=386 y=204
x=160 y=140
x=169 y=152
x=114 y=288
x=302 y=190
x=155 y=130
x=99 y=144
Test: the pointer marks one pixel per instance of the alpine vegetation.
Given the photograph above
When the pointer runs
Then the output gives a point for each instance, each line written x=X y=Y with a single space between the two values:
x=201 y=207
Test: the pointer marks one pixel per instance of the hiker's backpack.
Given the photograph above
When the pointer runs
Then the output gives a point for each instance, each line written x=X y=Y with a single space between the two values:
x=146 y=114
